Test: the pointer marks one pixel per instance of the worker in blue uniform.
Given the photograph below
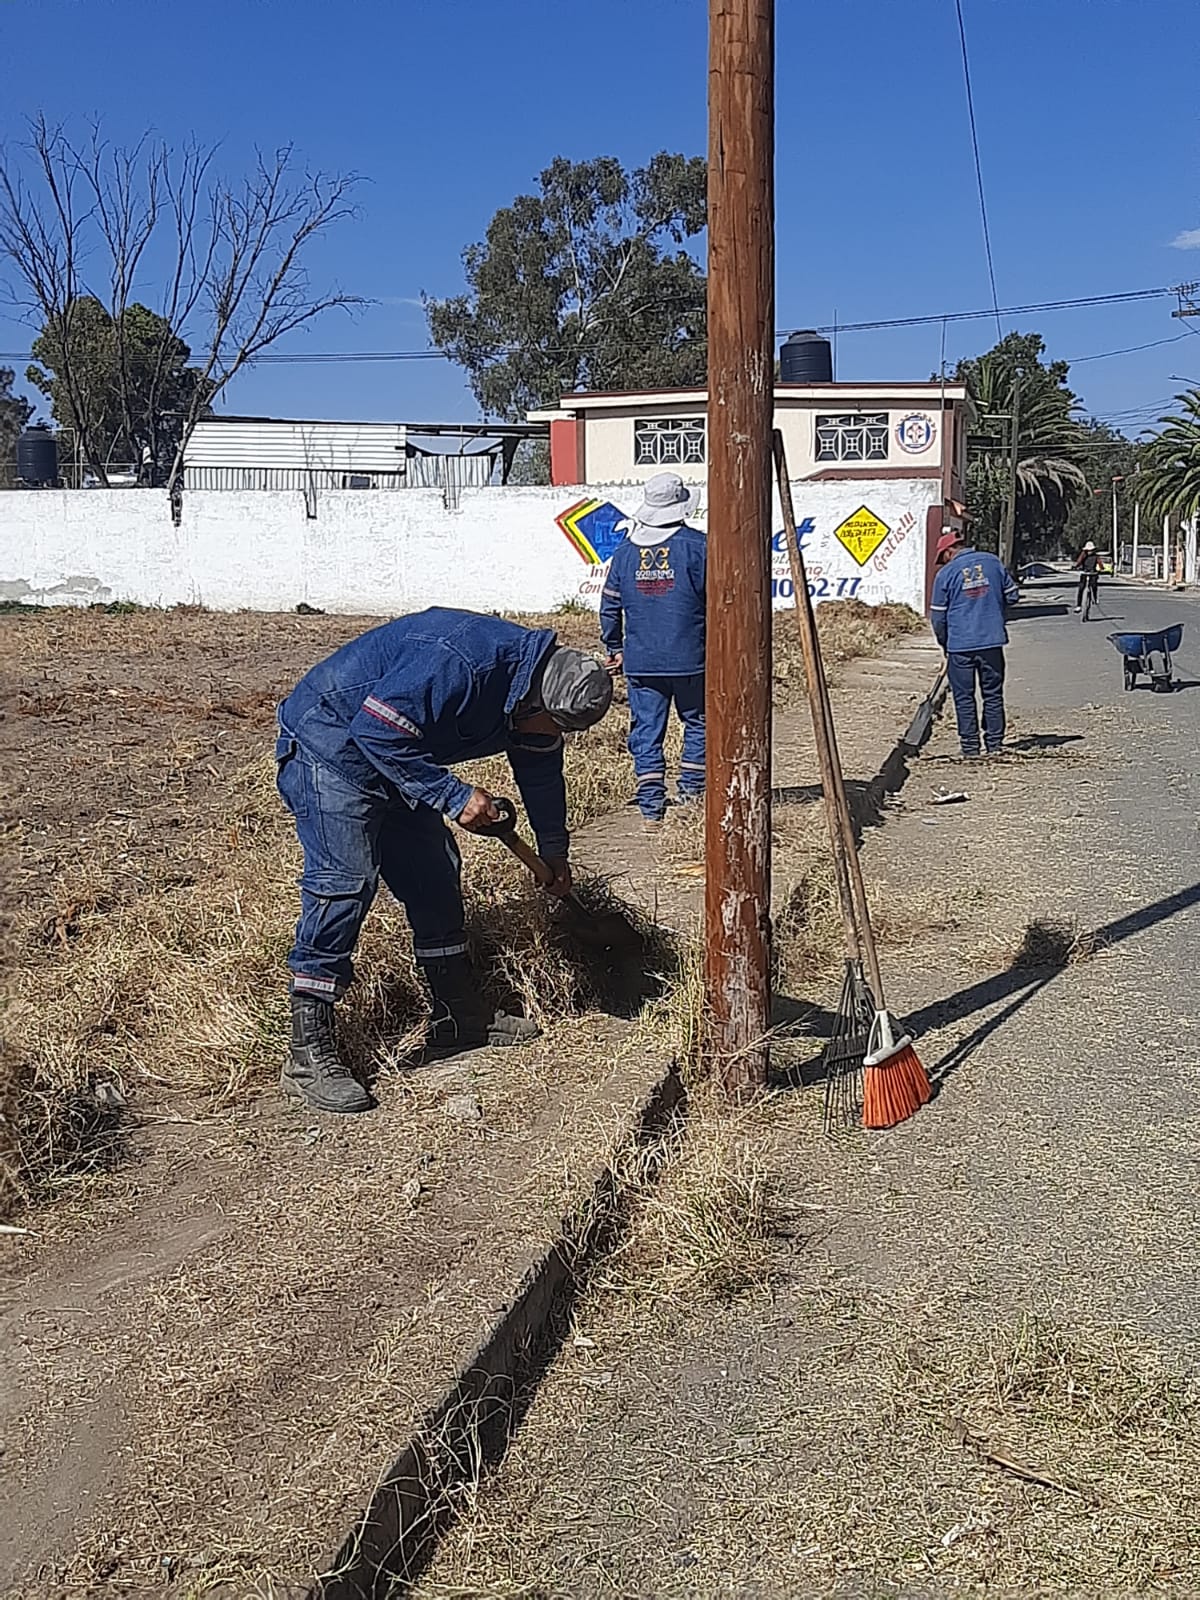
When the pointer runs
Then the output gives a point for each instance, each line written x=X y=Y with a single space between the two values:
x=652 y=623
x=365 y=743
x=972 y=595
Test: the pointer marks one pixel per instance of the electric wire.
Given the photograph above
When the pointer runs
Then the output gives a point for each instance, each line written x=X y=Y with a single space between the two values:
x=987 y=237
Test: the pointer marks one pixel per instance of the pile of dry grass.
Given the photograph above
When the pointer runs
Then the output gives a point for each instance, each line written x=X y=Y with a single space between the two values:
x=175 y=987
x=847 y=629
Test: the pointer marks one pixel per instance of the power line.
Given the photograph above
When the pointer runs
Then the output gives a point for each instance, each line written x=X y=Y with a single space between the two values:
x=1129 y=349
x=1004 y=311
x=987 y=238
x=1032 y=309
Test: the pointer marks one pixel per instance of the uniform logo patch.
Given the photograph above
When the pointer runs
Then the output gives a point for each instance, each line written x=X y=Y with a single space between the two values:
x=655 y=574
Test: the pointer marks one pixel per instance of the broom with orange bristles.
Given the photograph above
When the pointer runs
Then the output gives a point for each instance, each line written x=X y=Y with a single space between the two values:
x=895 y=1084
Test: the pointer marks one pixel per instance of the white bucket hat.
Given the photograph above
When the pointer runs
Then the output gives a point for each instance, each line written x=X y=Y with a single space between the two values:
x=666 y=501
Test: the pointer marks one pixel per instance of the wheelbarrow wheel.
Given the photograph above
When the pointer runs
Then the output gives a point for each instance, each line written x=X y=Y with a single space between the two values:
x=1130 y=676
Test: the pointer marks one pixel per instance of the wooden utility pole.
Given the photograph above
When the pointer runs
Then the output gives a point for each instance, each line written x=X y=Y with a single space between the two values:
x=741 y=393
x=1008 y=532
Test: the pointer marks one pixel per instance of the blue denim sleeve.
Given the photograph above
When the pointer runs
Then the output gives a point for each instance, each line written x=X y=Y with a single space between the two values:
x=395 y=725
x=537 y=764
x=612 y=619
x=937 y=607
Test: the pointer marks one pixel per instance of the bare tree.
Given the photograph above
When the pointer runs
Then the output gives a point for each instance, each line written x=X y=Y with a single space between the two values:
x=40 y=235
x=253 y=280
x=87 y=224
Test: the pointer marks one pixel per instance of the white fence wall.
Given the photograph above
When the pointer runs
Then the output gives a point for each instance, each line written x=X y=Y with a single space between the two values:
x=379 y=554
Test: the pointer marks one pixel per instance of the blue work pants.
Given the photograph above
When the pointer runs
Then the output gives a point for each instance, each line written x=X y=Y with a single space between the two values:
x=964 y=667
x=650 y=701
x=351 y=840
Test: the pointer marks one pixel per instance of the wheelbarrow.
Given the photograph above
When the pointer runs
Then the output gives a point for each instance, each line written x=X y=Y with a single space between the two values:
x=1149 y=654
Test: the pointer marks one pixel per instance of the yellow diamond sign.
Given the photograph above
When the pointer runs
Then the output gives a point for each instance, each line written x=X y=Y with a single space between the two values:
x=862 y=534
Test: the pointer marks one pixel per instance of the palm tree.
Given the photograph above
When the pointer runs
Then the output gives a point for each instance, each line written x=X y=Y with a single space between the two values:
x=1048 y=435
x=1170 y=477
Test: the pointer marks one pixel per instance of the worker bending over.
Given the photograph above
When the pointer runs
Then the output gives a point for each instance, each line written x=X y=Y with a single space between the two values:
x=652 y=624
x=365 y=743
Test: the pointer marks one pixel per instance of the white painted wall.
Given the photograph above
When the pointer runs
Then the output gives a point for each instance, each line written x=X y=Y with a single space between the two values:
x=381 y=554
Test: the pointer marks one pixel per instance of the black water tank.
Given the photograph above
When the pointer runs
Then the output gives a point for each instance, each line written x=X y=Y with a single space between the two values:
x=806 y=358
x=37 y=459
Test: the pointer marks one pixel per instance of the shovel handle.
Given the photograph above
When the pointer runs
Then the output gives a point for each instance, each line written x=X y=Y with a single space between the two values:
x=505 y=829
x=528 y=857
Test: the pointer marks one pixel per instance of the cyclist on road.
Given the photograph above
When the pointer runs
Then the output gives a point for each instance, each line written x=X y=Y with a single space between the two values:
x=1088 y=564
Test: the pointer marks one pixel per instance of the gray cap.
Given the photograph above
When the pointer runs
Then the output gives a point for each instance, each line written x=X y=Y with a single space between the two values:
x=665 y=501
x=576 y=689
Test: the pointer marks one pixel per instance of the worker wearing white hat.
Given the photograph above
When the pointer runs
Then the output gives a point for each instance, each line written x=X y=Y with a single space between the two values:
x=652 y=624
x=1089 y=573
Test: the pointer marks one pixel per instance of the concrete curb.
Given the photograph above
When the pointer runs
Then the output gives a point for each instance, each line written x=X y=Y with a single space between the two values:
x=469 y=1428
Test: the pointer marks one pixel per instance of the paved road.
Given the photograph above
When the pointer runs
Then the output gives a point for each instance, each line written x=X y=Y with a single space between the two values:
x=1057 y=660
x=1070 y=1102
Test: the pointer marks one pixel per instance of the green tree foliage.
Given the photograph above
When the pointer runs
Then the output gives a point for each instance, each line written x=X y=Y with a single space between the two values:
x=1108 y=455
x=1050 y=443
x=1170 y=478
x=583 y=285
x=131 y=387
x=14 y=414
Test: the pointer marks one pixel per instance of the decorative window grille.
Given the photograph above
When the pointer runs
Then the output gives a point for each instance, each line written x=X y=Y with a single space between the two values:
x=670 y=442
x=853 y=438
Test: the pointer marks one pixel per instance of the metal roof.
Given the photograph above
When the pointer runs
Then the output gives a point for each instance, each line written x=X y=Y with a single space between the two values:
x=473 y=430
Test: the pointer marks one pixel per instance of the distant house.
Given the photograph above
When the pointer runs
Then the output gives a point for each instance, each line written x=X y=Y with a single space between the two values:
x=831 y=431
x=229 y=452
x=879 y=470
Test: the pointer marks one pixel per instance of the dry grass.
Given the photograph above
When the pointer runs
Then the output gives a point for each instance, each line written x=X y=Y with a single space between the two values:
x=847 y=629
x=1053 y=942
x=174 y=988
x=809 y=937
x=708 y=1230
x=828 y=1443
x=143 y=973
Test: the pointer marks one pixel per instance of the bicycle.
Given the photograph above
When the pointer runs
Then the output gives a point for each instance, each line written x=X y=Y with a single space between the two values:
x=1091 y=590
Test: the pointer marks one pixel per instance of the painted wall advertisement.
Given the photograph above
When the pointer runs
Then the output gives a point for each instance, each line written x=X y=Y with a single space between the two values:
x=861 y=540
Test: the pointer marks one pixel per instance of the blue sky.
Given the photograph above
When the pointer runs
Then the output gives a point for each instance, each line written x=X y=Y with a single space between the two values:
x=1087 y=116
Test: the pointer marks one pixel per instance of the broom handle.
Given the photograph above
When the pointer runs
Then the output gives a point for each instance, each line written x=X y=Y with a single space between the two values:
x=833 y=780
x=810 y=650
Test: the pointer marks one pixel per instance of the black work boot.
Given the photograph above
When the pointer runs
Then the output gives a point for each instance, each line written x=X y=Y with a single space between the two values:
x=314 y=1072
x=460 y=1019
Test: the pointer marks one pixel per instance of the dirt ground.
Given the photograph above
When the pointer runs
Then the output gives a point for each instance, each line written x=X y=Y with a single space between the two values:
x=216 y=1295
x=221 y=1316
x=959 y=1357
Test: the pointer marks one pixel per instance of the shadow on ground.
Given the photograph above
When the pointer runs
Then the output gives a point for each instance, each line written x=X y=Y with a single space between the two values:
x=1046 y=950
x=1043 y=741
x=1026 y=613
